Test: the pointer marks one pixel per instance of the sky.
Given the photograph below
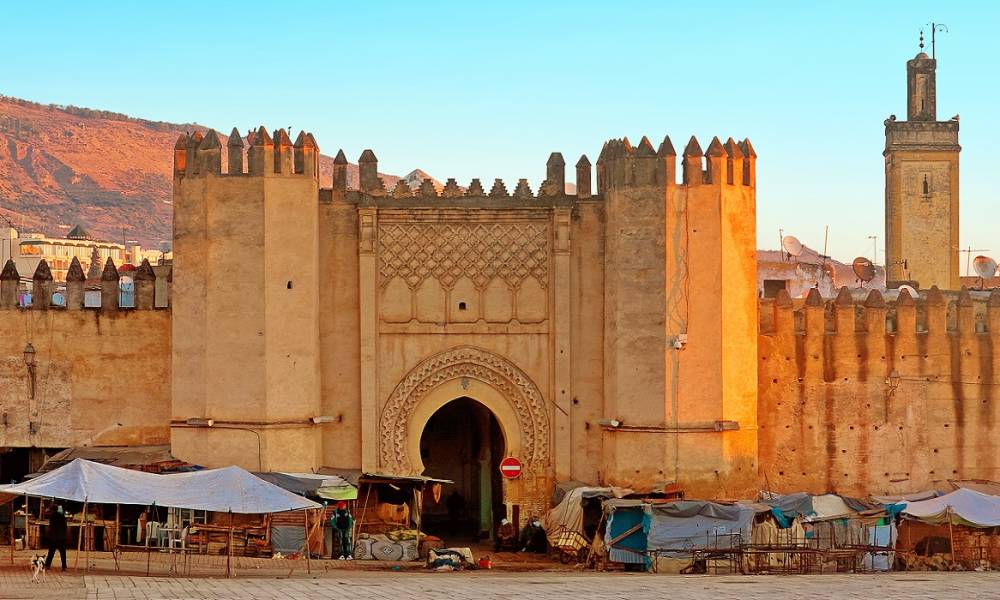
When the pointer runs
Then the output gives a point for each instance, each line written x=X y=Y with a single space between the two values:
x=489 y=89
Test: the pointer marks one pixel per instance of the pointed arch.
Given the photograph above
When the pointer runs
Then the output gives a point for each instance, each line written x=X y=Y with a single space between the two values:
x=513 y=395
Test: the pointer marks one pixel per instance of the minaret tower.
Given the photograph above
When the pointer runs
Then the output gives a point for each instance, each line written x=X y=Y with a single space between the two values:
x=921 y=185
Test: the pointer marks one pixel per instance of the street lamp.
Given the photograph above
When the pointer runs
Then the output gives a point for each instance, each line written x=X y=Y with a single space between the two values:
x=891 y=382
x=29 y=361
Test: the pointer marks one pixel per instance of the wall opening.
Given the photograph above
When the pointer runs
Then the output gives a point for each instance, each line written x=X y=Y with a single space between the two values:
x=463 y=442
x=773 y=286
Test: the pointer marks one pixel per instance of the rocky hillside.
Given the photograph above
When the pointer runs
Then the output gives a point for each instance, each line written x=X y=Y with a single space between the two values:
x=61 y=166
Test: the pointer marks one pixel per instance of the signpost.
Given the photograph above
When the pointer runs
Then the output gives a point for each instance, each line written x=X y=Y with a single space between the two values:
x=510 y=467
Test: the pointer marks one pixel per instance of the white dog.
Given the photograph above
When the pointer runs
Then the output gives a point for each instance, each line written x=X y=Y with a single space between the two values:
x=37 y=568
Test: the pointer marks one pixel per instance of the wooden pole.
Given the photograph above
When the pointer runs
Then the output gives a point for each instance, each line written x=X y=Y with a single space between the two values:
x=146 y=538
x=79 y=539
x=87 y=542
x=951 y=538
x=27 y=524
x=308 y=563
x=361 y=521
x=229 y=553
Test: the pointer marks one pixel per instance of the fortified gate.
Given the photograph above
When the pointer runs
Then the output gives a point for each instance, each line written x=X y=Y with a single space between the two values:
x=422 y=331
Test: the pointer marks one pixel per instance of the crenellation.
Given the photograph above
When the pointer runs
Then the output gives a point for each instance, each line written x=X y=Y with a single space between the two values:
x=235 y=152
x=306 y=155
x=734 y=163
x=110 y=286
x=427 y=189
x=937 y=312
x=402 y=190
x=522 y=191
x=499 y=190
x=180 y=155
x=191 y=159
x=260 y=155
x=844 y=312
x=966 y=313
x=716 y=157
x=284 y=154
x=75 y=279
x=145 y=286
x=693 y=173
x=583 y=177
x=10 y=281
x=451 y=189
x=475 y=189
x=368 y=173
x=340 y=172
x=208 y=154
x=555 y=176
x=41 y=286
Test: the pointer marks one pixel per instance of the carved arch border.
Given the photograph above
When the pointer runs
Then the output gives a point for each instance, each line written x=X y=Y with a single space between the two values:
x=474 y=363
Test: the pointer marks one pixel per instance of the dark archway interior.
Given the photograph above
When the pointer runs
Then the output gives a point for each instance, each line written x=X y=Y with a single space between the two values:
x=463 y=442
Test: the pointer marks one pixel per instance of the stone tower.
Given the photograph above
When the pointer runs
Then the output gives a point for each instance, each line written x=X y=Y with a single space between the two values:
x=680 y=331
x=921 y=186
x=245 y=365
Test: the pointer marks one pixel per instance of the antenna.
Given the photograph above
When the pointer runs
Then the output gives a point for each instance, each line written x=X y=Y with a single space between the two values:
x=935 y=27
x=792 y=245
x=863 y=269
x=968 y=256
x=874 y=239
x=986 y=267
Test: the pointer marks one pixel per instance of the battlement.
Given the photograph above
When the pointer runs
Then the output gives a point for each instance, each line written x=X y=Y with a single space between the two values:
x=259 y=154
x=936 y=313
x=622 y=165
x=373 y=187
x=103 y=293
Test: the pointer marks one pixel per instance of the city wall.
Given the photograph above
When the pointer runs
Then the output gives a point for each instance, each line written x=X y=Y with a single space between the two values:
x=859 y=396
x=99 y=373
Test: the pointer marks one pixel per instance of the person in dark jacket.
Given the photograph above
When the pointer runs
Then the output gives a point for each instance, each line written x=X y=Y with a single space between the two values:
x=342 y=524
x=57 y=536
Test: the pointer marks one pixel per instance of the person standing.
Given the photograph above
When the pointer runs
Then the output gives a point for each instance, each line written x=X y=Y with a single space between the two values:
x=57 y=536
x=342 y=523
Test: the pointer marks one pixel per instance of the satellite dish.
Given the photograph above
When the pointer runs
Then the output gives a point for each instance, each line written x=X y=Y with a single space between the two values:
x=792 y=245
x=864 y=269
x=911 y=290
x=985 y=266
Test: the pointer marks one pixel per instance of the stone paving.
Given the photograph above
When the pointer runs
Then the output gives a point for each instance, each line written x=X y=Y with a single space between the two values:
x=506 y=586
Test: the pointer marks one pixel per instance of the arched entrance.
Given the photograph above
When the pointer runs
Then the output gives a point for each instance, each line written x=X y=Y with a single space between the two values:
x=510 y=398
x=463 y=442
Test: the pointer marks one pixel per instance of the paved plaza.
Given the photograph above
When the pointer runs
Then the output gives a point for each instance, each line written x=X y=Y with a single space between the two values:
x=499 y=585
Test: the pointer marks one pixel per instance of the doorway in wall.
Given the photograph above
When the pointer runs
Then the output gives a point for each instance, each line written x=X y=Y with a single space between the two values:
x=463 y=442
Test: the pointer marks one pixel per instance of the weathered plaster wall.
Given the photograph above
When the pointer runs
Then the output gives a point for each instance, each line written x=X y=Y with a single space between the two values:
x=99 y=377
x=247 y=305
x=829 y=422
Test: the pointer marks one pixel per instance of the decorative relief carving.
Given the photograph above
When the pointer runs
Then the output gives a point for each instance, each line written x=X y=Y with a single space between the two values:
x=464 y=363
x=449 y=251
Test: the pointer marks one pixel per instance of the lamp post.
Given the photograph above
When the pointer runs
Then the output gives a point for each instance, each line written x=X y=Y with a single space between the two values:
x=891 y=382
x=29 y=361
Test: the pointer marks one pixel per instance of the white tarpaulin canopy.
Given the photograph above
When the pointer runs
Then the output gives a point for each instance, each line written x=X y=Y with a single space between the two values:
x=965 y=506
x=230 y=489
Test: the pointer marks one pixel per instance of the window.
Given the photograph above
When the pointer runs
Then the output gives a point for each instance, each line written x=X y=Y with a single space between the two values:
x=927 y=186
x=773 y=286
x=461 y=306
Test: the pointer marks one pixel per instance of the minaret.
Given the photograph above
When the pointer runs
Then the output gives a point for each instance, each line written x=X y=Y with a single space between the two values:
x=921 y=185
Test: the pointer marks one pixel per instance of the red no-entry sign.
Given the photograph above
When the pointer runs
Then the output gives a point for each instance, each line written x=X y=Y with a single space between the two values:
x=510 y=467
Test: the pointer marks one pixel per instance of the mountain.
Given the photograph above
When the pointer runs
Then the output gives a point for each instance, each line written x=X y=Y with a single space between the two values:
x=415 y=179
x=61 y=166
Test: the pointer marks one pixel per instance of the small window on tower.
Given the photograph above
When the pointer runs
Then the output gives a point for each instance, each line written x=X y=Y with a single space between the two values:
x=927 y=186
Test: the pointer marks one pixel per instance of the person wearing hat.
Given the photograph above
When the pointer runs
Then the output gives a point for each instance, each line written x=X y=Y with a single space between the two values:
x=342 y=522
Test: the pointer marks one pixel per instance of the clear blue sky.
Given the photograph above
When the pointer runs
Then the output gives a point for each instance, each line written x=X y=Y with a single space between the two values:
x=471 y=89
